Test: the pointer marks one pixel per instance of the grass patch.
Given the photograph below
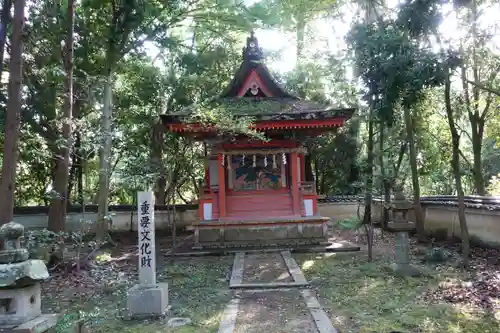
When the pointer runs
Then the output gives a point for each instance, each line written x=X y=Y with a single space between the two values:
x=198 y=289
x=363 y=297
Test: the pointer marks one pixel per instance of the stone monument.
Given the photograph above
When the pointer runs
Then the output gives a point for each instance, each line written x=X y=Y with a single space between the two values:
x=20 y=277
x=148 y=298
x=401 y=225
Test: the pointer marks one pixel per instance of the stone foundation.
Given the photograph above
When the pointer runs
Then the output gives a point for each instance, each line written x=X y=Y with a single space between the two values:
x=144 y=302
x=261 y=234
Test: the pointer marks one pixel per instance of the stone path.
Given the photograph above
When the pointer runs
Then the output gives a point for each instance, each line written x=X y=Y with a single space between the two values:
x=266 y=270
x=270 y=295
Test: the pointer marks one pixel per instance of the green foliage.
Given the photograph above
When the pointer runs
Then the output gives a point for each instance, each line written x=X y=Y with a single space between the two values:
x=393 y=65
x=494 y=185
x=199 y=47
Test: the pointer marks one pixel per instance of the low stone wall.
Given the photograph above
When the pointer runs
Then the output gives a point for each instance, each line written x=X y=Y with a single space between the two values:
x=124 y=217
x=339 y=210
x=441 y=215
x=483 y=220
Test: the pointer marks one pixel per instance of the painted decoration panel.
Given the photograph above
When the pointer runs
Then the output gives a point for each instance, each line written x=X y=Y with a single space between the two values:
x=263 y=176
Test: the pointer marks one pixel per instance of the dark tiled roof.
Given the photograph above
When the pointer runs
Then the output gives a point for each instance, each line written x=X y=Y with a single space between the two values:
x=487 y=203
x=262 y=106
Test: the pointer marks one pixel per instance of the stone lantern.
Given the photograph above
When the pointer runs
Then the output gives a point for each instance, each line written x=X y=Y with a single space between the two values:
x=401 y=225
x=20 y=277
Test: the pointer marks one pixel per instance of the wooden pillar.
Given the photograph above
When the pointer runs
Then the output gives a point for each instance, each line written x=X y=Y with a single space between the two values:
x=302 y=168
x=207 y=166
x=222 y=186
x=207 y=175
x=294 y=186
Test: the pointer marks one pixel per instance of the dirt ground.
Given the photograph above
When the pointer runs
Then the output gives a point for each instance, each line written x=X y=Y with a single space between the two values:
x=273 y=312
x=198 y=289
x=359 y=296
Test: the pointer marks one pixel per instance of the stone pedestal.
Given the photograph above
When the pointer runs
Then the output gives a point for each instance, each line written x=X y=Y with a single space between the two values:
x=146 y=301
x=402 y=266
x=148 y=298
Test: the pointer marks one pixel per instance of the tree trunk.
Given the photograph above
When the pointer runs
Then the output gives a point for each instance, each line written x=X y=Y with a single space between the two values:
x=104 y=160
x=477 y=146
x=157 y=138
x=4 y=26
x=12 y=117
x=308 y=171
x=300 y=35
x=78 y=165
x=73 y=172
x=455 y=163
x=384 y=219
x=410 y=137
x=477 y=123
x=367 y=217
x=58 y=204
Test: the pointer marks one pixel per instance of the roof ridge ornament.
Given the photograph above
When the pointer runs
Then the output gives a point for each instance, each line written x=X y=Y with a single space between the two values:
x=252 y=52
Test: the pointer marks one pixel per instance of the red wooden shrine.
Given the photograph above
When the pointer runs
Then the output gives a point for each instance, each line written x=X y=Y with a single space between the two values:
x=259 y=192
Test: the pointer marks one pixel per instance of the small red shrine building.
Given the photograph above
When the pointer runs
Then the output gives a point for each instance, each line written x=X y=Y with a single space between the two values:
x=259 y=192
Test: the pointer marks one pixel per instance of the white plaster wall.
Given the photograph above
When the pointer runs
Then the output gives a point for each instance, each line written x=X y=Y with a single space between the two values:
x=483 y=224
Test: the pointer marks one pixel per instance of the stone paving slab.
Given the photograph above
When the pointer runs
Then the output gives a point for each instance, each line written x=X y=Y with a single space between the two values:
x=265 y=268
x=228 y=320
x=273 y=312
x=238 y=267
x=293 y=268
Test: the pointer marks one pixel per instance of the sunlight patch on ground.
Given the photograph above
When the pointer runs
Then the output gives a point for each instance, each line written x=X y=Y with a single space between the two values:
x=429 y=326
x=103 y=257
x=307 y=265
x=213 y=320
x=369 y=286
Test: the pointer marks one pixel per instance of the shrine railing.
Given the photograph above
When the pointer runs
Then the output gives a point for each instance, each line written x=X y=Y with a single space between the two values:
x=307 y=187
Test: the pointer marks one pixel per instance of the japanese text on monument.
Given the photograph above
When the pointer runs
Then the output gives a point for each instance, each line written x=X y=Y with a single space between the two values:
x=145 y=234
x=146 y=237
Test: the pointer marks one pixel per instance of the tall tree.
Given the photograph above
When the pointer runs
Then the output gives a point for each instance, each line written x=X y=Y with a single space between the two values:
x=455 y=163
x=57 y=210
x=479 y=63
x=12 y=116
x=5 y=19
